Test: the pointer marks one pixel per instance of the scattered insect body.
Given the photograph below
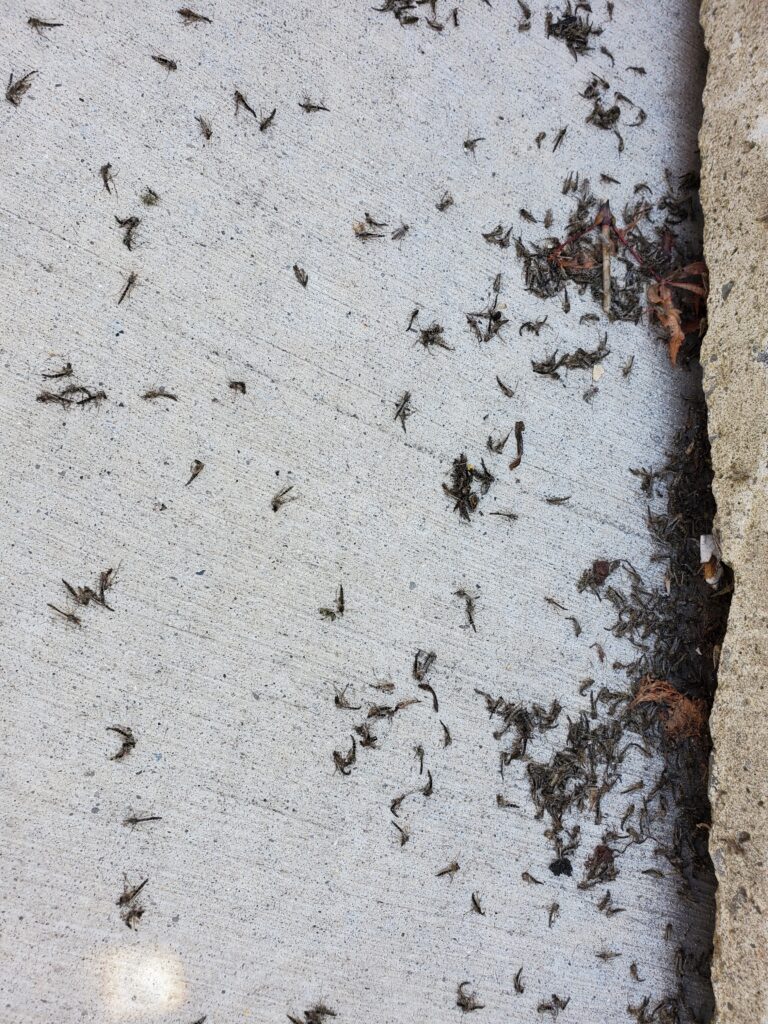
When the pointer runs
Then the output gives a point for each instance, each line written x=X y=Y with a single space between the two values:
x=341 y=700
x=403 y=831
x=65 y=371
x=431 y=691
x=528 y=216
x=529 y=878
x=428 y=788
x=553 y=913
x=16 y=90
x=237 y=385
x=400 y=232
x=497 y=447
x=637 y=69
x=133 y=820
x=343 y=762
x=539 y=139
x=132 y=916
x=445 y=200
x=469 y=608
x=195 y=470
x=129 y=225
x=557 y=500
x=159 y=393
x=505 y=389
x=447 y=738
x=524 y=24
x=559 y=138
x=449 y=870
x=470 y=145
x=533 y=326
x=130 y=893
x=68 y=616
x=498 y=236
x=422 y=663
x=149 y=197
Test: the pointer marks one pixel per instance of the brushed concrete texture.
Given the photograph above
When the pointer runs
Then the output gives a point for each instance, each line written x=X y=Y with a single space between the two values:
x=275 y=882
x=734 y=148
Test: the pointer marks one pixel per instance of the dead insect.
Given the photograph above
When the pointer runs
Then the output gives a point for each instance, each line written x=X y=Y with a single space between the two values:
x=575 y=623
x=422 y=663
x=195 y=469
x=129 y=225
x=165 y=62
x=476 y=905
x=637 y=68
x=130 y=282
x=533 y=326
x=607 y=53
x=548 y=219
x=607 y=954
x=529 y=878
x=149 y=197
x=501 y=801
x=627 y=367
x=554 y=1006
x=431 y=691
x=343 y=762
x=633 y=972
x=558 y=501
x=363 y=229
x=338 y=611
x=84 y=595
x=445 y=200
x=341 y=701
x=108 y=178
x=608 y=180
x=469 y=608
x=519 y=986
x=436 y=26
x=241 y=101
x=467 y=1000
x=404 y=832
x=553 y=913
x=449 y=870
x=385 y=687
x=69 y=616
x=128 y=741
x=525 y=22
x=470 y=145
x=498 y=236
x=314 y=1015
x=414 y=315
x=447 y=738
x=555 y=604
x=309 y=107
x=512 y=516
x=14 y=91
x=455 y=16
x=265 y=122
x=237 y=385
x=526 y=215
x=132 y=915
x=539 y=139
x=519 y=428
x=497 y=447
x=281 y=498
x=572 y=28
x=400 y=232
x=301 y=275
x=205 y=127
x=403 y=409
x=190 y=17
x=419 y=752
x=433 y=337
x=39 y=25
x=65 y=371
x=505 y=389
x=559 y=138
x=130 y=892
x=134 y=820
x=159 y=393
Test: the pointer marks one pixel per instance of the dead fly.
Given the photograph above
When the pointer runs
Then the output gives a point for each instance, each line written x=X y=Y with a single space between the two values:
x=553 y=913
x=559 y=138
x=309 y=107
x=159 y=393
x=241 y=101
x=505 y=389
x=470 y=145
x=497 y=447
x=581 y=359
x=195 y=469
x=338 y=610
x=237 y=385
x=84 y=595
x=281 y=498
x=432 y=336
x=532 y=326
x=190 y=17
x=519 y=428
x=301 y=275
x=525 y=22
x=65 y=371
x=476 y=905
x=404 y=833
x=343 y=762
x=422 y=663
x=266 y=122
x=366 y=228
x=555 y=604
x=128 y=741
x=431 y=691
x=498 y=236
x=39 y=25
x=638 y=69
x=528 y=877
x=445 y=200
x=519 y=986
x=469 y=608
x=341 y=701
x=447 y=738
x=403 y=409
x=554 y=1006
x=69 y=616
x=15 y=91
x=572 y=28
x=205 y=127
x=449 y=870
x=165 y=62
x=107 y=177
x=558 y=501
x=539 y=139
x=149 y=197
x=73 y=394
x=129 y=225
x=526 y=215
x=467 y=1000
x=130 y=282
x=134 y=820
x=130 y=892
x=400 y=232
x=487 y=323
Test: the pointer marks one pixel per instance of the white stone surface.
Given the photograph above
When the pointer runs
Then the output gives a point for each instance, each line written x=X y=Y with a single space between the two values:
x=273 y=882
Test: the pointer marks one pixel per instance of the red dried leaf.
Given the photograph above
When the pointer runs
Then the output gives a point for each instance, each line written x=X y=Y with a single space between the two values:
x=686 y=716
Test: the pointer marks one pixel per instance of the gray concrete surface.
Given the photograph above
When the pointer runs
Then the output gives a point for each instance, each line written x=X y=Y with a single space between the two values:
x=734 y=145
x=274 y=882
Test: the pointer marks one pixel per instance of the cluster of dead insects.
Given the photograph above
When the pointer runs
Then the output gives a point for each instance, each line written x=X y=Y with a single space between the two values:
x=609 y=117
x=69 y=394
x=572 y=25
x=431 y=13
x=487 y=322
x=81 y=597
x=463 y=477
x=317 y=1014
x=627 y=270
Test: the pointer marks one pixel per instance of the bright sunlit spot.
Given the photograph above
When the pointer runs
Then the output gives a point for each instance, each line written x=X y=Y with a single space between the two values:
x=140 y=982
